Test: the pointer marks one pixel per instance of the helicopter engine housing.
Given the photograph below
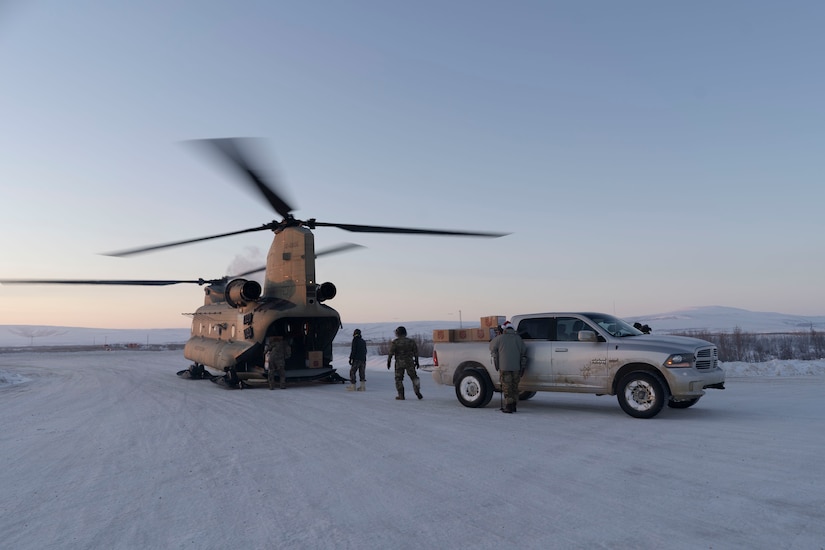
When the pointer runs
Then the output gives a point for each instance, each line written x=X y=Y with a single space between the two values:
x=326 y=291
x=240 y=292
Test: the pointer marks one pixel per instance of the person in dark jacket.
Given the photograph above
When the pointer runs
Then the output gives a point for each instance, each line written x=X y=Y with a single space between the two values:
x=357 y=361
x=510 y=359
x=405 y=351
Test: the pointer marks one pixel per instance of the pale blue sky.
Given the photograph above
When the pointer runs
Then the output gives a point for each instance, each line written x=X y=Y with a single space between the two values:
x=646 y=156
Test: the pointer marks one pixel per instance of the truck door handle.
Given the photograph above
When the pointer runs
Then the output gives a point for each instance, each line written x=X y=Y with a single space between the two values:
x=560 y=349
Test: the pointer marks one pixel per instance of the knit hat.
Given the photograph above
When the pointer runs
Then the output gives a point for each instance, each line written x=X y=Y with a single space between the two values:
x=507 y=325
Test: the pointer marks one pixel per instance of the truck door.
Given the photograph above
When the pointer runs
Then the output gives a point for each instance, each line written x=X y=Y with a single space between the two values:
x=536 y=334
x=577 y=366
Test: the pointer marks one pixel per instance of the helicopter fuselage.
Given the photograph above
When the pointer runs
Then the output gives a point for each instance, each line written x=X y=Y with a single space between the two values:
x=229 y=332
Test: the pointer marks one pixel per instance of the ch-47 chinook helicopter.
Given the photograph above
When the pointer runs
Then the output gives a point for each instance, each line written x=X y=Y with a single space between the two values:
x=230 y=330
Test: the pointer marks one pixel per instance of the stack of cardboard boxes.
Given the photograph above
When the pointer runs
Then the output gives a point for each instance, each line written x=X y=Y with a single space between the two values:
x=484 y=333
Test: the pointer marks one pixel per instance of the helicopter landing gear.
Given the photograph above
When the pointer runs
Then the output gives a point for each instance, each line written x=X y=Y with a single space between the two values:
x=196 y=371
x=231 y=379
x=334 y=377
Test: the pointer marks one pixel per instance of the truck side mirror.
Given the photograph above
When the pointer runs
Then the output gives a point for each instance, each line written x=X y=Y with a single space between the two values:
x=587 y=336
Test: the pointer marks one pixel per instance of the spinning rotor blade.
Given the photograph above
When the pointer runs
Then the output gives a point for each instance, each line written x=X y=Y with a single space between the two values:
x=408 y=230
x=133 y=251
x=124 y=282
x=336 y=249
x=230 y=150
x=325 y=252
x=234 y=152
x=250 y=272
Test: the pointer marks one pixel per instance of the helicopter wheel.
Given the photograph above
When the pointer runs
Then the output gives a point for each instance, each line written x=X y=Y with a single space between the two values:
x=231 y=378
x=196 y=371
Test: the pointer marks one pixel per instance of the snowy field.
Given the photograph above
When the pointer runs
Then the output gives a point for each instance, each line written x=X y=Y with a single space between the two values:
x=112 y=450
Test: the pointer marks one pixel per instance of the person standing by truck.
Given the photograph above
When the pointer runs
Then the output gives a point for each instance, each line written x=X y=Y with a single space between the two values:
x=405 y=351
x=357 y=361
x=510 y=359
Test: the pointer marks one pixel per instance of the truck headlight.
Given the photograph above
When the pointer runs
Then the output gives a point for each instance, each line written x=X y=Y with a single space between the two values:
x=679 y=360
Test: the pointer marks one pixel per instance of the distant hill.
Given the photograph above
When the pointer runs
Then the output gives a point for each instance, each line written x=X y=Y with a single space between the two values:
x=726 y=319
x=711 y=318
x=33 y=335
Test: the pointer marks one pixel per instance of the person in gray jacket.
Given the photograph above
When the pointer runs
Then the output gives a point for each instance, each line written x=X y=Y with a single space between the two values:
x=510 y=359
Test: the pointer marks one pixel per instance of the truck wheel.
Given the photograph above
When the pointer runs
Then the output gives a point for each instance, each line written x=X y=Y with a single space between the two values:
x=473 y=390
x=641 y=394
x=525 y=395
x=682 y=404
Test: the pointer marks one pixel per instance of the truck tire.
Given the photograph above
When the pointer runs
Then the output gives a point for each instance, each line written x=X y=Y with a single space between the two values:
x=641 y=394
x=473 y=390
x=525 y=395
x=682 y=404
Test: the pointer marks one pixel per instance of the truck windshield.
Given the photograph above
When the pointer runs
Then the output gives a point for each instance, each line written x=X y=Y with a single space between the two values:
x=615 y=326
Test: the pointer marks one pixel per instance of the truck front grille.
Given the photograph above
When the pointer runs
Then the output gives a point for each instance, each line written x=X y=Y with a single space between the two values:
x=707 y=358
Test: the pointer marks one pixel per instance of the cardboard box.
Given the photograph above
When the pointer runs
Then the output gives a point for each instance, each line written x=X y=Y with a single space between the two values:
x=443 y=335
x=472 y=335
x=493 y=321
x=315 y=359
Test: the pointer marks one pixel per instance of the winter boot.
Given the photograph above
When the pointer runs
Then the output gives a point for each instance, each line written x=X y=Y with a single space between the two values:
x=400 y=396
x=362 y=386
x=508 y=408
x=351 y=387
x=417 y=388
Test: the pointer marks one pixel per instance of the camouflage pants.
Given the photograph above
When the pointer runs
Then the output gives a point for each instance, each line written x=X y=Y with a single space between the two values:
x=399 y=378
x=360 y=368
x=509 y=385
x=280 y=369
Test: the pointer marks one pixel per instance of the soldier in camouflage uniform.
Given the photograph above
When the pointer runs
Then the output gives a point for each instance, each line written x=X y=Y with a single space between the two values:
x=276 y=351
x=510 y=359
x=405 y=352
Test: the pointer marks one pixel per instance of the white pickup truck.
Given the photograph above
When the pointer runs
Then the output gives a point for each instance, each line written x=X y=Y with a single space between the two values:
x=588 y=353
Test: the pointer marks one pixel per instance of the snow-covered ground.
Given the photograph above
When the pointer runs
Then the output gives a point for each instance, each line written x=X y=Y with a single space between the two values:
x=112 y=450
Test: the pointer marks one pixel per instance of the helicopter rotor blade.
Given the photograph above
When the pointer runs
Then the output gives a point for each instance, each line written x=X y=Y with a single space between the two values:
x=325 y=252
x=232 y=151
x=236 y=153
x=408 y=230
x=141 y=250
x=250 y=272
x=121 y=282
x=337 y=249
